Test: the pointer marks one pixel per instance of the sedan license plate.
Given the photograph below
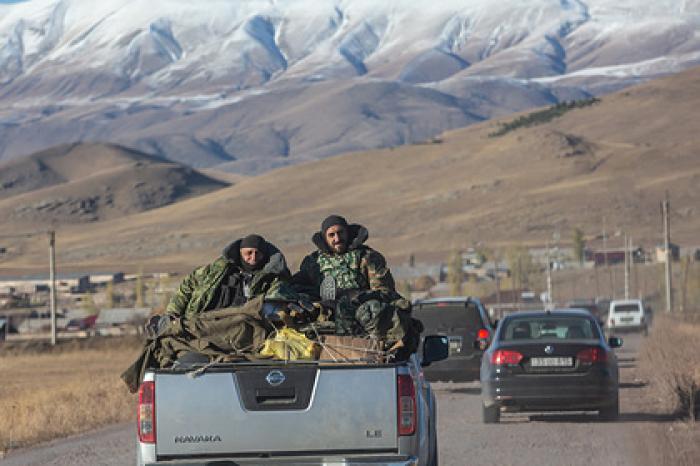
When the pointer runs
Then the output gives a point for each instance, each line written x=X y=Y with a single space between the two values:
x=551 y=362
x=626 y=319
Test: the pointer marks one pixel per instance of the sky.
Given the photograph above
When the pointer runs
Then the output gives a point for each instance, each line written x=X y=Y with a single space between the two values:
x=13 y=1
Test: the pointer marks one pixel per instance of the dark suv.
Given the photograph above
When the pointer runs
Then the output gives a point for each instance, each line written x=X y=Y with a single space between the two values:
x=463 y=320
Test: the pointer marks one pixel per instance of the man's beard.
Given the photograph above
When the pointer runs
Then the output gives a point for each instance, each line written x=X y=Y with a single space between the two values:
x=252 y=268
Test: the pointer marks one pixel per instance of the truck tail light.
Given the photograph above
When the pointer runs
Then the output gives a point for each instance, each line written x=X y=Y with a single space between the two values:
x=407 y=405
x=591 y=355
x=146 y=415
x=506 y=357
x=482 y=334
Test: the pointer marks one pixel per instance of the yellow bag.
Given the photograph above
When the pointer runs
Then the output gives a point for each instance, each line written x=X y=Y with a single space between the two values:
x=288 y=344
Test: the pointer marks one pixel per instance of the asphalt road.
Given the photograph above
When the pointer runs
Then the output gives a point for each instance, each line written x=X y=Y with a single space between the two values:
x=540 y=439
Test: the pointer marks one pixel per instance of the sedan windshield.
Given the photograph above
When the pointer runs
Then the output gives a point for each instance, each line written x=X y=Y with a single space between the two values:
x=549 y=327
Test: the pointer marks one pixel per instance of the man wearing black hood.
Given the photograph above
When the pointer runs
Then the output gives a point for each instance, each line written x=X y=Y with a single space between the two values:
x=249 y=267
x=342 y=255
x=356 y=277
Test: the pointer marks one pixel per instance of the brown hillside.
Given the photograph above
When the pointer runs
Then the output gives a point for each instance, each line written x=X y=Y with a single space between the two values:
x=89 y=182
x=613 y=160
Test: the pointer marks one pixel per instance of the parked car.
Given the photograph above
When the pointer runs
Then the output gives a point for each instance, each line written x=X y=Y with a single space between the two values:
x=464 y=321
x=628 y=315
x=589 y=306
x=550 y=361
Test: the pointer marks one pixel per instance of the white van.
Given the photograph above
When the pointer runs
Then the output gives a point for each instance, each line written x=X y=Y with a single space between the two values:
x=627 y=314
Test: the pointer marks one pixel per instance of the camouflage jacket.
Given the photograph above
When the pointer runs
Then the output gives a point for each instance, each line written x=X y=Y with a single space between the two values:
x=197 y=291
x=361 y=267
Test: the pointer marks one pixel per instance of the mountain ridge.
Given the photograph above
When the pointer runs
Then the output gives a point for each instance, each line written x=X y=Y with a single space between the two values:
x=188 y=83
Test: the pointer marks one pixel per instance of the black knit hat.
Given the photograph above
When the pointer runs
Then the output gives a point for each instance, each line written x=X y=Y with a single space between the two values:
x=254 y=241
x=333 y=220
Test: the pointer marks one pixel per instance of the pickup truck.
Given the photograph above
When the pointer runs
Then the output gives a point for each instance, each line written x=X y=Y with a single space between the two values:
x=319 y=413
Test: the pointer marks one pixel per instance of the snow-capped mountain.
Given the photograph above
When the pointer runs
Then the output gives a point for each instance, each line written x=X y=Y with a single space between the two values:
x=250 y=85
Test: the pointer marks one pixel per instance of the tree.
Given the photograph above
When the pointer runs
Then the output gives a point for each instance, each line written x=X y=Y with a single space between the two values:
x=88 y=304
x=423 y=283
x=524 y=272
x=138 y=292
x=109 y=295
x=483 y=253
x=455 y=274
x=579 y=245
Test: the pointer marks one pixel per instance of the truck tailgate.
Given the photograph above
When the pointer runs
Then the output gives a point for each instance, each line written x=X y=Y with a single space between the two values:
x=276 y=410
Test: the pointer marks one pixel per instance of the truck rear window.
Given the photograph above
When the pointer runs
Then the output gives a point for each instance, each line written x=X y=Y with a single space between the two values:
x=626 y=309
x=449 y=314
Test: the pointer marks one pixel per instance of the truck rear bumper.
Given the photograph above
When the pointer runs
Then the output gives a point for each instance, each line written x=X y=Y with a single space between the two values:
x=296 y=461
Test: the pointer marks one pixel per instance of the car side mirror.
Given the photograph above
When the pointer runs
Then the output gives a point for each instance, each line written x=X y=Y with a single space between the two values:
x=435 y=348
x=495 y=324
x=615 y=342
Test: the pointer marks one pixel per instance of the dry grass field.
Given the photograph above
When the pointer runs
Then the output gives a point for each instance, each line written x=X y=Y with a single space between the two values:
x=669 y=359
x=47 y=393
x=613 y=161
x=670 y=365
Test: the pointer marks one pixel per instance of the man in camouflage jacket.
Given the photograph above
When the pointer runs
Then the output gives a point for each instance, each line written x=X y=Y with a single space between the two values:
x=249 y=267
x=365 y=298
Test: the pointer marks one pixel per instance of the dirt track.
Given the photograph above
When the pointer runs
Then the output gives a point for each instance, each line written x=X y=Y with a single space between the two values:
x=552 y=439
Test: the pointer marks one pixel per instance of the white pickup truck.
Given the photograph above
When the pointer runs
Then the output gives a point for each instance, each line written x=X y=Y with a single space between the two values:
x=319 y=413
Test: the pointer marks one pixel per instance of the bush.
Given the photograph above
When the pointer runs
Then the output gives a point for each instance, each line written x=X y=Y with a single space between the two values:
x=423 y=283
x=669 y=360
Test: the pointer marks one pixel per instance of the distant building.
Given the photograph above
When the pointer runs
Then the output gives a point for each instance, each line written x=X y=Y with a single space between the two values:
x=661 y=252
x=83 y=286
x=492 y=270
x=510 y=296
x=40 y=324
x=612 y=256
x=118 y=316
x=81 y=323
x=472 y=257
x=101 y=279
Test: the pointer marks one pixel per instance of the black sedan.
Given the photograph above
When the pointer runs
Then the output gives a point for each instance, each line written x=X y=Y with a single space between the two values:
x=550 y=361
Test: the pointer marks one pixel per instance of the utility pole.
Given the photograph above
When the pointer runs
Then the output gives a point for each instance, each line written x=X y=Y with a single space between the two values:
x=52 y=279
x=627 y=267
x=605 y=245
x=607 y=267
x=549 y=278
x=665 y=208
x=497 y=260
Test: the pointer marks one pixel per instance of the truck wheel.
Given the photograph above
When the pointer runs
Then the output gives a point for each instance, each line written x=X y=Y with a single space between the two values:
x=491 y=414
x=611 y=412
